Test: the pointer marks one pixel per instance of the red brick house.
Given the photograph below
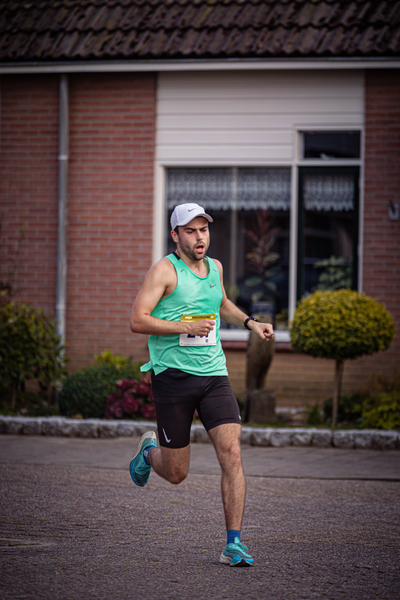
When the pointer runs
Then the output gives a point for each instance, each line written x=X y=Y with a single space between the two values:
x=113 y=111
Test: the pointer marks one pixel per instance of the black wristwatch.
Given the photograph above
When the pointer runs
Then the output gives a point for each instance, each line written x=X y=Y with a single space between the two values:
x=247 y=320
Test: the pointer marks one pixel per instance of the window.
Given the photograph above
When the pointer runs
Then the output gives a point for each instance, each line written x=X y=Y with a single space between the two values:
x=329 y=145
x=328 y=200
x=251 y=230
x=250 y=233
x=328 y=229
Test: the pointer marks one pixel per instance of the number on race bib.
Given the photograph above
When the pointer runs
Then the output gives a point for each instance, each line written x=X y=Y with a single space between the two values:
x=186 y=339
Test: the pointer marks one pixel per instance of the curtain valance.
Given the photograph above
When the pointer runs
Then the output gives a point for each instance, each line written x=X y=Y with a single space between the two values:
x=240 y=188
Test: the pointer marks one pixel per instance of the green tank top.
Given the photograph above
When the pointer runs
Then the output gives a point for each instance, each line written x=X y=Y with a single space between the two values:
x=193 y=295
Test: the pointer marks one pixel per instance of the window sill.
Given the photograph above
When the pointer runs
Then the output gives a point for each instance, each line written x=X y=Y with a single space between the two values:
x=242 y=335
x=236 y=339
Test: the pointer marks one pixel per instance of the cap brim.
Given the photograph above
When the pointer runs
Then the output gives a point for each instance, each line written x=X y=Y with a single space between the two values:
x=190 y=218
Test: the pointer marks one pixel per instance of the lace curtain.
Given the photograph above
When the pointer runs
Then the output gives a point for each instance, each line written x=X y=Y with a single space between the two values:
x=259 y=188
x=227 y=188
x=329 y=192
x=256 y=188
x=211 y=188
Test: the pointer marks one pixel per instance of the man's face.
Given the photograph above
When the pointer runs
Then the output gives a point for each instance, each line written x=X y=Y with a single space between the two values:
x=193 y=239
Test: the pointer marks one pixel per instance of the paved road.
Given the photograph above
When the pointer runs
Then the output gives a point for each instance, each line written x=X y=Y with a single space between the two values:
x=320 y=523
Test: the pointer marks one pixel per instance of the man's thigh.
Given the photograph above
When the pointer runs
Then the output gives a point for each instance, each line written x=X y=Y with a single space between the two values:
x=175 y=395
x=218 y=405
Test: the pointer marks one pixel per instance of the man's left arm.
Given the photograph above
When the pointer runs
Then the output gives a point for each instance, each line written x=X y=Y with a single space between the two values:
x=230 y=313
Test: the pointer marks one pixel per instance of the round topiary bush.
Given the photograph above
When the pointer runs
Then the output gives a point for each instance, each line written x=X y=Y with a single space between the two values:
x=340 y=325
x=86 y=391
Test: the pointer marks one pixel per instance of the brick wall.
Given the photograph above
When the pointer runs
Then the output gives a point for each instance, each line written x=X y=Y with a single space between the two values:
x=28 y=185
x=112 y=124
x=109 y=235
x=299 y=380
x=381 y=254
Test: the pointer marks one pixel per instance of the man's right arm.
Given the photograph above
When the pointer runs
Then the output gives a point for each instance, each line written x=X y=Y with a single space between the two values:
x=157 y=281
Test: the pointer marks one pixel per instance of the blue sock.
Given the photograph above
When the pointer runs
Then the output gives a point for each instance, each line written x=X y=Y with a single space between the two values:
x=231 y=535
x=145 y=455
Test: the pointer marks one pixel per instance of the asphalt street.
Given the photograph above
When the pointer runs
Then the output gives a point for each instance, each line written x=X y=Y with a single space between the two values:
x=319 y=522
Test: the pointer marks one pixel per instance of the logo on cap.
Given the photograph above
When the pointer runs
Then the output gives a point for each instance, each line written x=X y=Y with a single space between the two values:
x=184 y=213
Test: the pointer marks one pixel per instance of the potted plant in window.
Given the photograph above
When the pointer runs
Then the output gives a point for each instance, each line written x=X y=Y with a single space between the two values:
x=261 y=260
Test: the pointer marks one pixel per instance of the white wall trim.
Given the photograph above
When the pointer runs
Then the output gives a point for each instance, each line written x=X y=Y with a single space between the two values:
x=158 y=213
x=360 y=249
x=194 y=65
x=293 y=244
x=242 y=335
x=357 y=162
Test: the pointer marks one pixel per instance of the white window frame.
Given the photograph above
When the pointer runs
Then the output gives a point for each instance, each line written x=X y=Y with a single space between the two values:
x=318 y=162
x=159 y=233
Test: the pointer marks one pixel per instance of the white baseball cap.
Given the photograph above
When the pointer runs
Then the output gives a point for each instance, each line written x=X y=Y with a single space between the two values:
x=184 y=213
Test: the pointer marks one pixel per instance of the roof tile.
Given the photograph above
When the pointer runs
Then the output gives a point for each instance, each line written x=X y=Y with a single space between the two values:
x=165 y=29
x=350 y=15
x=394 y=43
x=305 y=14
x=134 y=16
x=323 y=14
x=231 y=43
x=292 y=41
x=185 y=19
x=385 y=12
x=338 y=38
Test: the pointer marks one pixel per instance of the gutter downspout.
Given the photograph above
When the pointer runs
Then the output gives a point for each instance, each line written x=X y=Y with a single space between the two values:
x=63 y=157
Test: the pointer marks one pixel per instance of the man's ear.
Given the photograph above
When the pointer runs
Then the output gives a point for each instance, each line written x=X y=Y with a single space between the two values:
x=174 y=236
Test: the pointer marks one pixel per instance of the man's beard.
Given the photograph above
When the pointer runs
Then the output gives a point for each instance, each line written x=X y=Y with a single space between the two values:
x=190 y=251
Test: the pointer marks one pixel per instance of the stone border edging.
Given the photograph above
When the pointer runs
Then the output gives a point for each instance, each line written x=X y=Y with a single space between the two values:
x=270 y=436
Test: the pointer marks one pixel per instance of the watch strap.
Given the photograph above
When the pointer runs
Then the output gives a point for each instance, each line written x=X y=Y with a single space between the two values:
x=247 y=320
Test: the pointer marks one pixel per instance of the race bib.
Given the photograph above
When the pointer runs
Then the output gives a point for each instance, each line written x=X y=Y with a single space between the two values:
x=185 y=339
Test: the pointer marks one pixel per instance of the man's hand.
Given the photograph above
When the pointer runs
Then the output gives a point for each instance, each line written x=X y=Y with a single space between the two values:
x=201 y=328
x=264 y=330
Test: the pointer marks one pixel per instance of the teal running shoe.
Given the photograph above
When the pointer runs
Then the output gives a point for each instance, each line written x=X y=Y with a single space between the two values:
x=138 y=467
x=235 y=555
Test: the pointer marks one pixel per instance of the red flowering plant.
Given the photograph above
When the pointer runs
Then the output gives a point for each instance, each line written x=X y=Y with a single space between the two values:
x=132 y=400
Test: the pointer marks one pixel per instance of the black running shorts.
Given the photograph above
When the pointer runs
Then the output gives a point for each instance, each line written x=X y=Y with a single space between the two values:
x=178 y=394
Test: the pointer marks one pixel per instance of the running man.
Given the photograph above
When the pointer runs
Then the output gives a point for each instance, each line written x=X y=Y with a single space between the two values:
x=180 y=305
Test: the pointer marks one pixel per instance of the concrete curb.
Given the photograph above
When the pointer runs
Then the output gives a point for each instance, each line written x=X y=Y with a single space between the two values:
x=294 y=436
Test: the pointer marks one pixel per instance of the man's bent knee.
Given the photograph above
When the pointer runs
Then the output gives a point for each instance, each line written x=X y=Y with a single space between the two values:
x=176 y=464
x=177 y=476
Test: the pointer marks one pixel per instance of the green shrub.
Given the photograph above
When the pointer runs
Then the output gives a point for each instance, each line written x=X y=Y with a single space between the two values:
x=378 y=383
x=29 y=349
x=382 y=411
x=108 y=358
x=314 y=416
x=376 y=406
x=340 y=325
x=349 y=409
x=86 y=391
